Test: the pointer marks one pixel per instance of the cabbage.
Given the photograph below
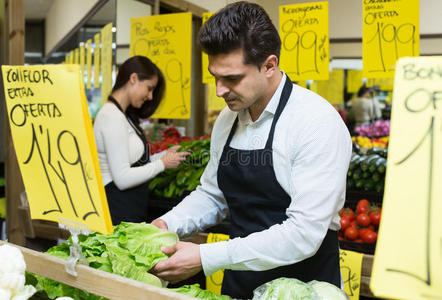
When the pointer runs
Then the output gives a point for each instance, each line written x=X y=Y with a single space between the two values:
x=327 y=291
x=285 y=289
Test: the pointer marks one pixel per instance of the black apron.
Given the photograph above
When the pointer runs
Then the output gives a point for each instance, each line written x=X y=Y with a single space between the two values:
x=131 y=204
x=256 y=202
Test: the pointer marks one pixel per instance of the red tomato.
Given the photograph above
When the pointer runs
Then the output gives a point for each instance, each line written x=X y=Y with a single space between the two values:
x=347 y=212
x=354 y=224
x=369 y=236
x=345 y=222
x=358 y=241
x=362 y=206
x=363 y=220
x=375 y=218
x=351 y=233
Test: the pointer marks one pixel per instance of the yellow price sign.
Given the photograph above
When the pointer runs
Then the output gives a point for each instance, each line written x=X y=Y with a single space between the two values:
x=214 y=102
x=166 y=40
x=89 y=63
x=390 y=30
x=54 y=142
x=408 y=258
x=305 y=41
x=354 y=81
x=82 y=60
x=97 y=60
x=76 y=56
x=106 y=62
x=333 y=89
x=215 y=281
x=207 y=77
x=351 y=265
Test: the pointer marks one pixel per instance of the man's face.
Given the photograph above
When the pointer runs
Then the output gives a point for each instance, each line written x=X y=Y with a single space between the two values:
x=240 y=85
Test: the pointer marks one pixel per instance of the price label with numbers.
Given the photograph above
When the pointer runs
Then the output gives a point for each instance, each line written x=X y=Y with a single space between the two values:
x=351 y=265
x=408 y=258
x=166 y=40
x=54 y=142
x=305 y=41
x=207 y=77
x=215 y=281
x=390 y=30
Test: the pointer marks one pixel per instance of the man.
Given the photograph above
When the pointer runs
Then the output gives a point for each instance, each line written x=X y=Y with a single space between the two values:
x=279 y=159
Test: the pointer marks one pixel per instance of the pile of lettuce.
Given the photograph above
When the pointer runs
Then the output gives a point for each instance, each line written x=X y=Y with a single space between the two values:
x=130 y=251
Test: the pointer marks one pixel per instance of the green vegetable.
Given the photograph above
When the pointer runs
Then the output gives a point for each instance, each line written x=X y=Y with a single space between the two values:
x=130 y=251
x=195 y=291
x=285 y=289
x=173 y=183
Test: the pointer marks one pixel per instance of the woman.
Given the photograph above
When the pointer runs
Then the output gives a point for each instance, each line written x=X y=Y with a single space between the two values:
x=123 y=152
x=366 y=108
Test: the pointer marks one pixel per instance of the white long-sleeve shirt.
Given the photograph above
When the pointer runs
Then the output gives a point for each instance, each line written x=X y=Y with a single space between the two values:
x=311 y=153
x=119 y=147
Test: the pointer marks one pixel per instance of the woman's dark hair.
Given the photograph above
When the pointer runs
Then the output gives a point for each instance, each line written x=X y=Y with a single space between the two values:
x=363 y=90
x=145 y=69
x=241 y=25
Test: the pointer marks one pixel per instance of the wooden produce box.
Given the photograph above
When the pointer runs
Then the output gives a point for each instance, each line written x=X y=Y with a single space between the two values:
x=92 y=280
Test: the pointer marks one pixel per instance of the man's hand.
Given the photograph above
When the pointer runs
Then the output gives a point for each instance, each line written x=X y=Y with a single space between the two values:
x=160 y=224
x=184 y=262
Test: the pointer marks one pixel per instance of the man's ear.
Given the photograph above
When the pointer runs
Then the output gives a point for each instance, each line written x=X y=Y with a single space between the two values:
x=270 y=65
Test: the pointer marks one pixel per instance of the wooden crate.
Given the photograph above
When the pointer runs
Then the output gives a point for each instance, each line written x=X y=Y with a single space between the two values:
x=92 y=280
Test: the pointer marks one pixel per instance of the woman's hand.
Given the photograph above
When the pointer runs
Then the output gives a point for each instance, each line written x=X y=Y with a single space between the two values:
x=172 y=159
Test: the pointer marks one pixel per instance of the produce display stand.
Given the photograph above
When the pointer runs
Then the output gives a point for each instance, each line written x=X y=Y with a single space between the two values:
x=94 y=281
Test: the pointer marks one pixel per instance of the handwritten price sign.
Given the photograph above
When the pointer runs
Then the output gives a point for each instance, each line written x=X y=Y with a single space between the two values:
x=215 y=281
x=106 y=62
x=408 y=258
x=55 y=146
x=351 y=264
x=207 y=77
x=305 y=41
x=390 y=31
x=166 y=40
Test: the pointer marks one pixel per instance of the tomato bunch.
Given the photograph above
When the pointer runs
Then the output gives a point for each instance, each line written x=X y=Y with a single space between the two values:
x=170 y=137
x=361 y=225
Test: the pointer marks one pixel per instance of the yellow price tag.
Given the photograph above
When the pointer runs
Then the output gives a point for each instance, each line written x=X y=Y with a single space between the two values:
x=354 y=81
x=54 y=142
x=351 y=265
x=82 y=60
x=215 y=281
x=390 y=30
x=97 y=60
x=215 y=102
x=89 y=63
x=167 y=41
x=76 y=56
x=207 y=77
x=305 y=41
x=408 y=258
x=333 y=89
x=106 y=62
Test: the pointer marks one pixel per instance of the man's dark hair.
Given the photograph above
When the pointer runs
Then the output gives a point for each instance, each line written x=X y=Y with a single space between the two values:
x=241 y=25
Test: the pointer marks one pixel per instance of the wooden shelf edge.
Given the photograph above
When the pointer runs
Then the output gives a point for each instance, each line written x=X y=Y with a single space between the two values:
x=94 y=281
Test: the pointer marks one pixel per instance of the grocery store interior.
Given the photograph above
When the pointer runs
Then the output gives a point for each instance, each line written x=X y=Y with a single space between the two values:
x=371 y=60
